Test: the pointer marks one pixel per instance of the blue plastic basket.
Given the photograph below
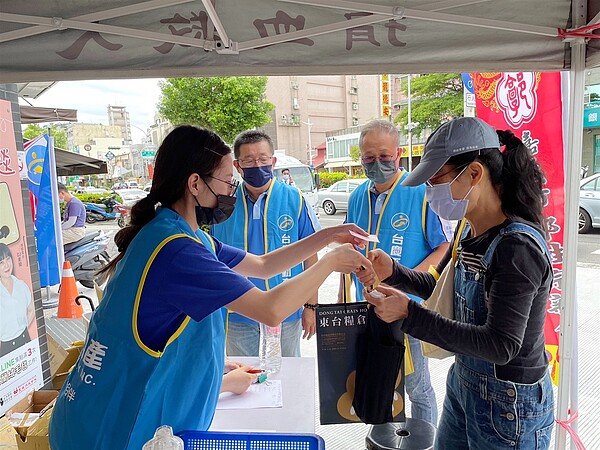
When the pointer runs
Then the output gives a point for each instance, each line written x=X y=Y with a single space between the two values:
x=215 y=440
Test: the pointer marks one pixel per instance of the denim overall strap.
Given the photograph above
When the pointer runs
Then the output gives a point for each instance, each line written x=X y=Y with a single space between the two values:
x=513 y=228
x=470 y=305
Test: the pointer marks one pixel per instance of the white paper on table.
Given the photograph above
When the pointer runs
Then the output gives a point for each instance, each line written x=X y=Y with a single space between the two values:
x=259 y=395
x=369 y=238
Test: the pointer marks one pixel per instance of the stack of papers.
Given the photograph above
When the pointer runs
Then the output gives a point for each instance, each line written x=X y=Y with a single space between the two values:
x=260 y=395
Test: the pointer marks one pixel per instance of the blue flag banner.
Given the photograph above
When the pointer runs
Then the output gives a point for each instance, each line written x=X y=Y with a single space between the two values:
x=41 y=175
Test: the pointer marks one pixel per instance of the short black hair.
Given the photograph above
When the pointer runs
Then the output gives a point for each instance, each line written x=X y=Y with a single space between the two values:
x=251 y=137
x=62 y=188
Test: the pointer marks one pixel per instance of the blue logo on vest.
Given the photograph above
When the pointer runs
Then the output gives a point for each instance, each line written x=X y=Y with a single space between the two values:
x=285 y=222
x=400 y=221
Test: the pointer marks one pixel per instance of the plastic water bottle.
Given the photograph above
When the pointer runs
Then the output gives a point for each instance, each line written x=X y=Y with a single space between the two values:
x=164 y=440
x=270 y=348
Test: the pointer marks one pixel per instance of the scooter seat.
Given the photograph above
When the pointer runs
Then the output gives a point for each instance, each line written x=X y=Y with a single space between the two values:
x=84 y=240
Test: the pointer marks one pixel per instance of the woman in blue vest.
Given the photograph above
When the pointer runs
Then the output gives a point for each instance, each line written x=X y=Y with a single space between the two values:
x=154 y=353
x=498 y=392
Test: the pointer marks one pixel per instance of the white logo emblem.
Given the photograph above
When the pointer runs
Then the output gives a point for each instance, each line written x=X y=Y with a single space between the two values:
x=516 y=97
x=285 y=222
x=400 y=221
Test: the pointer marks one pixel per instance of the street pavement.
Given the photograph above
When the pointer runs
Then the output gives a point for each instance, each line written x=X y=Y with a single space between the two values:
x=346 y=437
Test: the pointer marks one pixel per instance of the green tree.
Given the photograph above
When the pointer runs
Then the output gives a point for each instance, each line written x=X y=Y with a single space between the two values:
x=227 y=105
x=436 y=98
x=355 y=152
x=34 y=130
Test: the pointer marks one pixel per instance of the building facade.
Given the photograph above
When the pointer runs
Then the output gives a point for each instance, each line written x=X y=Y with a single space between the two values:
x=119 y=117
x=306 y=108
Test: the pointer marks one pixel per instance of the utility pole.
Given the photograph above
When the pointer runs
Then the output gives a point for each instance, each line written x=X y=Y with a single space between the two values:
x=309 y=124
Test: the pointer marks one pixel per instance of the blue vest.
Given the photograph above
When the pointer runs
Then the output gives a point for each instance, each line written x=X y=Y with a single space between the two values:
x=117 y=379
x=281 y=214
x=400 y=227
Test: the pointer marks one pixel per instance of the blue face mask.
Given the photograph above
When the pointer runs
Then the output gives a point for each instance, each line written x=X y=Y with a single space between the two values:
x=380 y=172
x=258 y=176
x=443 y=204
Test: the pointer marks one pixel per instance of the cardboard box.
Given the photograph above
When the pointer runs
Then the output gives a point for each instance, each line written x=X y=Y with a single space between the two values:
x=8 y=438
x=35 y=435
x=61 y=360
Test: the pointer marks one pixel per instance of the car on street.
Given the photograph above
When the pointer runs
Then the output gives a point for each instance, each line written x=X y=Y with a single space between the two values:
x=148 y=187
x=131 y=196
x=589 y=203
x=91 y=190
x=335 y=197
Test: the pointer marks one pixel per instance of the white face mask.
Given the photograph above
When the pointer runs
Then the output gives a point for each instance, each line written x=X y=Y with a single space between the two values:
x=443 y=204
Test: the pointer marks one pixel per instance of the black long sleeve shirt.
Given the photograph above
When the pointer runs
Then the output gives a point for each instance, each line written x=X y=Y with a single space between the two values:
x=517 y=284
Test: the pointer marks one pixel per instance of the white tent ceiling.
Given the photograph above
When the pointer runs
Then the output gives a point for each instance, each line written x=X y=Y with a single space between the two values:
x=74 y=39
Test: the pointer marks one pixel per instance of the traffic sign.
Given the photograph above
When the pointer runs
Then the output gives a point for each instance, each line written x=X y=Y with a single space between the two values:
x=87 y=147
x=147 y=153
x=109 y=155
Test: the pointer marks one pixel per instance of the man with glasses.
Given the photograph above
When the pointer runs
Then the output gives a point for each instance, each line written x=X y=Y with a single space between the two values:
x=268 y=215
x=408 y=230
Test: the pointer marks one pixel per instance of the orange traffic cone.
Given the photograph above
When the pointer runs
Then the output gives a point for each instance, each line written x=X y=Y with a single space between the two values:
x=67 y=307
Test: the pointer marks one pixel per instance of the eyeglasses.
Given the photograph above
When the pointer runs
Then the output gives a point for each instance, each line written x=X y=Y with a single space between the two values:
x=382 y=158
x=250 y=162
x=437 y=177
x=233 y=184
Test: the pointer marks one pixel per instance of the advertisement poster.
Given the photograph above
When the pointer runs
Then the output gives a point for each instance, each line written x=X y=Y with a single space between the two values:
x=530 y=104
x=20 y=362
x=339 y=327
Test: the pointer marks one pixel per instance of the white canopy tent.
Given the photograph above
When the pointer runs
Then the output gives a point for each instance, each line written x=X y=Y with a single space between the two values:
x=72 y=39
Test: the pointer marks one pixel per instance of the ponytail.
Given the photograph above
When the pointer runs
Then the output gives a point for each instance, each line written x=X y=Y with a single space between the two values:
x=521 y=181
x=141 y=213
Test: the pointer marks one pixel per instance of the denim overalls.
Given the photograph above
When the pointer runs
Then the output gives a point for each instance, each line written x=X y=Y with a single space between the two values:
x=481 y=411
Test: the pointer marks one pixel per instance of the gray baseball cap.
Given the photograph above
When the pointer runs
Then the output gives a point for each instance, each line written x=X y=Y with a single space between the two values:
x=463 y=135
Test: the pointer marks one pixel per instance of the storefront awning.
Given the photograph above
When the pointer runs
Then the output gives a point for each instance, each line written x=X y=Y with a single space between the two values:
x=338 y=164
x=69 y=164
x=35 y=114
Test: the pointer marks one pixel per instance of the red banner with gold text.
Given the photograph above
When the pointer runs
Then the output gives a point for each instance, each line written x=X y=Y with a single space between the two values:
x=530 y=104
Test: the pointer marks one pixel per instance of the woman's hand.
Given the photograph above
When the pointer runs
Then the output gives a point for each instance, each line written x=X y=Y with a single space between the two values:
x=346 y=259
x=383 y=265
x=309 y=323
x=231 y=365
x=238 y=380
x=394 y=306
x=341 y=234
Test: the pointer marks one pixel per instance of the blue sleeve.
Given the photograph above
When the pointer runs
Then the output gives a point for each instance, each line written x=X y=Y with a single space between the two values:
x=228 y=255
x=436 y=234
x=307 y=222
x=185 y=279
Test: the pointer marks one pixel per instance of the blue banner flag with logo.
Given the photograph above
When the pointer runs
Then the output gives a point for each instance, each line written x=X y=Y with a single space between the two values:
x=41 y=175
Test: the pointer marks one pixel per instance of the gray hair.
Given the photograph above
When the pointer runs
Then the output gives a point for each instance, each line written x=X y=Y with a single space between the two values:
x=379 y=126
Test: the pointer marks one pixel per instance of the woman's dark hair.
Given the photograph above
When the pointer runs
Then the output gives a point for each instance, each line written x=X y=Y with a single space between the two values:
x=186 y=150
x=515 y=174
x=5 y=253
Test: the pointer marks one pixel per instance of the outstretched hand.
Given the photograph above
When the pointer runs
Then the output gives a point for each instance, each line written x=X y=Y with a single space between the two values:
x=392 y=307
x=347 y=259
x=341 y=234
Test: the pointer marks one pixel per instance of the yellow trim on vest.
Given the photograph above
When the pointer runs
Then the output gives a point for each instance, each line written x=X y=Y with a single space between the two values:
x=138 y=296
x=265 y=226
x=461 y=228
x=409 y=366
x=433 y=271
x=424 y=219
x=387 y=199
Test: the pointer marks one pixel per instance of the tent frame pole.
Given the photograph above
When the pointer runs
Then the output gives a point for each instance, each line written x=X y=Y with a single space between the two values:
x=569 y=297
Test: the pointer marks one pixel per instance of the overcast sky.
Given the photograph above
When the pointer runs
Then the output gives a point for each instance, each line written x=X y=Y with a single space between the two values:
x=91 y=98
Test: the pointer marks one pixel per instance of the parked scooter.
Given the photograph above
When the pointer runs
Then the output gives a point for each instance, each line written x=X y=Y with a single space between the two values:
x=123 y=219
x=87 y=256
x=97 y=213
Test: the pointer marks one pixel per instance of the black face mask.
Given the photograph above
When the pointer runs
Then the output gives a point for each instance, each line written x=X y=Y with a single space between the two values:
x=219 y=214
